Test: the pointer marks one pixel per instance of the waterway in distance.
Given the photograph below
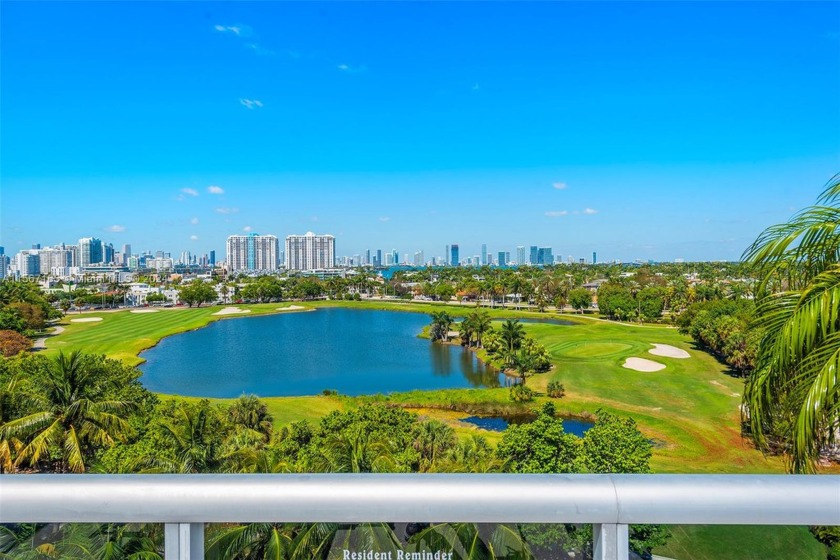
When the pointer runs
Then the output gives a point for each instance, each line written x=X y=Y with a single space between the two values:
x=352 y=351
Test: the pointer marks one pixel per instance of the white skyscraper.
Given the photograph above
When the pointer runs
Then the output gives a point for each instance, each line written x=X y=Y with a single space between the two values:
x=252 y=252
x=310 y=251
x=91 y=251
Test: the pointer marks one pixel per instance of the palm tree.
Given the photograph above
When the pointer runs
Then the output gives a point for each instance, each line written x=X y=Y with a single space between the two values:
x=471 y=541
x=794 y=391
x=74 y=416
x=196 y=439
x=432 y=440
x=523 y=363
x=355 y=451
x=481 y=324
x=250 y=412
x=512 y=334
x=255 y=541
x=466 y=331
x=441 y=323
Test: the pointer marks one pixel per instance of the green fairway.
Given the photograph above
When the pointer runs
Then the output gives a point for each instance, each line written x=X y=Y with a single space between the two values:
x=124 y=334
x=741 y=542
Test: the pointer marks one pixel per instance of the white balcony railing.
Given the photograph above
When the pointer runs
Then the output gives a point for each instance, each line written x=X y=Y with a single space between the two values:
x=609 y=502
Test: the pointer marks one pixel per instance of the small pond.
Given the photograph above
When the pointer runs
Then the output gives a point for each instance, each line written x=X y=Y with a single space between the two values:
x=500 y=423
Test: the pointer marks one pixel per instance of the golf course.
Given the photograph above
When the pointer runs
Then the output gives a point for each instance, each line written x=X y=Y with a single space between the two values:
x=689 y=409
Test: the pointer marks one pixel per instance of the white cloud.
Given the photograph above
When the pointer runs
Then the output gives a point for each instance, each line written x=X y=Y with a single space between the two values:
x=191 y=192
x=194 y=237
x=260 y=51
x=250 y=103
x=556 y=213
x=194 y=221
x=247 y=228
x=590 y=211
x=559 y=186
x=235 y=29
x=385 y=219
x=213 y=189
x=346 y=68
x=115 y=229
x=225 y=210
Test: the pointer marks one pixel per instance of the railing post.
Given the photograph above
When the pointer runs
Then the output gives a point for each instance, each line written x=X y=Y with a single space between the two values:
x=610 y=541
x=184 y=541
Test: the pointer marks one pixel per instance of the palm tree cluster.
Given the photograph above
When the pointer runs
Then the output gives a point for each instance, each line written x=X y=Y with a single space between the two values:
x=792 y=398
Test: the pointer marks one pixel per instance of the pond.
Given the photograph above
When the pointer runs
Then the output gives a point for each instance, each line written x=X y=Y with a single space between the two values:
x=500 y=423
x=352 y=351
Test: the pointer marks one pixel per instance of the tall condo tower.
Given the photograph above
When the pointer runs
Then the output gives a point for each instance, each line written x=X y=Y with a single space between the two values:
x=310 y=251
x=252 y=252
x=91 y=251
x=454 y=258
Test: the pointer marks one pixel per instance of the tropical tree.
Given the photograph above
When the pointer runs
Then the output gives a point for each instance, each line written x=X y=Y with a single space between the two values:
x=512 y=333
x=481 y=324
x=76 y=413
x=250 y=412
x=192 y=435
x=794 y=391
x=441 y=322
x=433 y=439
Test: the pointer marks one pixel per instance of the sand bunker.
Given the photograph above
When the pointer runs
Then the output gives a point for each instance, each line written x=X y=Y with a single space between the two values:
x=290 y=308
x=231 y=311
x=669 y=351
x=145 y=310
x=641 y=364
x=86 y=320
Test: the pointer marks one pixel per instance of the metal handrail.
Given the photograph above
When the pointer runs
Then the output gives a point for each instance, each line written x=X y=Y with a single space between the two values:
x=610 y=501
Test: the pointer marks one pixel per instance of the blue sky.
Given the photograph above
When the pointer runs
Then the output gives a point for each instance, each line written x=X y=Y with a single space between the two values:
x=639 y=130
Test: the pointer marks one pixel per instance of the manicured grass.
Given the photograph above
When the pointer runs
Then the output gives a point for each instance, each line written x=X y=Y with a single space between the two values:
x=741 y=542
x=286 y=410
x=123 y=335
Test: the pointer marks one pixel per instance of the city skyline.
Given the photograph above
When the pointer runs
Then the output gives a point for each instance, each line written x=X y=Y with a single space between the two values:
x=640 y=131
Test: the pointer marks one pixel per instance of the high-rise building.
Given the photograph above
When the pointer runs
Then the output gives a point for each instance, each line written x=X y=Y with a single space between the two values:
x=3 y=263
x=418 y=259
x=454 y=259
x=310 y=251
x=367 y=257
x=446 y=256
x=534 y=255
x=521 y=256
x=126 y=253
x=502 y=259
x=252 y=252
x=91 y=251
x=213 y=259
x=545 y=256
x=28 y=263
x=594 y=257
x=483 y=254
x=378 y=257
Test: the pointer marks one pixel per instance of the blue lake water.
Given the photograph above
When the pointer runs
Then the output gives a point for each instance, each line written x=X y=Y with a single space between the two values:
x=500 y=423
x=355 y=352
